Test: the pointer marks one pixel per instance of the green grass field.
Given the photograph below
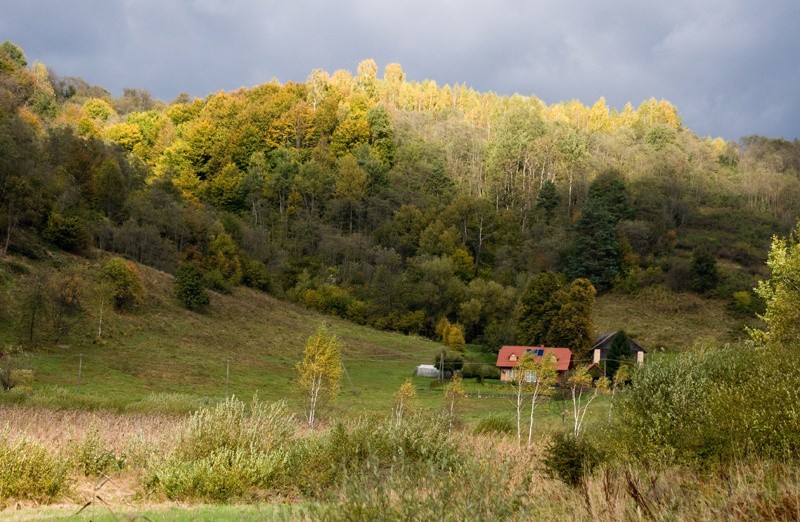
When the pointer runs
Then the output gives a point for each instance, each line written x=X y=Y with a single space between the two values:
x=162 y=357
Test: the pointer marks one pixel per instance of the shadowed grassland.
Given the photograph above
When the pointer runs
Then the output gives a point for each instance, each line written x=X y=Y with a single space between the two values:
x=660 y=320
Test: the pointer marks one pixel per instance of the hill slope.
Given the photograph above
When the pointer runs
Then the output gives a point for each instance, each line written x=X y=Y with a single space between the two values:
x=161 y=354
x=161 y=347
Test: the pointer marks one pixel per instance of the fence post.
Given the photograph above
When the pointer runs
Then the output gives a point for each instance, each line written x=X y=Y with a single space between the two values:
x=227 y=376
x=80 y=371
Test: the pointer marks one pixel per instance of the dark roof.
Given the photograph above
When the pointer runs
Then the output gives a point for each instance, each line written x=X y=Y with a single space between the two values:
x=603 y=341
x=505 y=359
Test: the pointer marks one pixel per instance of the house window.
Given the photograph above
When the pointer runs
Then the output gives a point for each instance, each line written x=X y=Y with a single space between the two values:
x=539 y=352
x=530 y=376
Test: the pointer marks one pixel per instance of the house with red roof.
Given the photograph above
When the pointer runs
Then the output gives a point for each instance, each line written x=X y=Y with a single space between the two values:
x=509 y=356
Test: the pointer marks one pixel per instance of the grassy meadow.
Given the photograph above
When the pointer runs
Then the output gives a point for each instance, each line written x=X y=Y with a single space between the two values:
x=109 y=418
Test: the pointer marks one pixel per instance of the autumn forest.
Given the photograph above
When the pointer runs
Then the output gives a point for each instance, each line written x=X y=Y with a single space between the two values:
x=389 y=202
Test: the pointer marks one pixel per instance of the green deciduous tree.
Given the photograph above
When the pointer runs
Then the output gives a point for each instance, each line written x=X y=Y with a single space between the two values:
x=351 y=185
x=580 y=382
x=319 y=373
x=538 y=307
x=14 y=53
x=454 y=395
x=448 y=361
x=572 y=325
x=540 y=373
x=781 y=292
x=124 y=283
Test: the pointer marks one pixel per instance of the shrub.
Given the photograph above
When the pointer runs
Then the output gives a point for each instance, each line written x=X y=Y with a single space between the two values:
x=29 y=472
x=705 y=276
x=22 y=380
x=190 y=288
x=479 y=371
x=219 y=476
x=570 y=458
x=255 y=275
x=92 y=458
x=224 y=452
x=168 y=403
x=716 y=405
x=67 y=233
x=215 y=280
x=495 y=424
x=348 y=451
x=232 y=424
x=125 y=283
x=453 y=361
x=473 y=491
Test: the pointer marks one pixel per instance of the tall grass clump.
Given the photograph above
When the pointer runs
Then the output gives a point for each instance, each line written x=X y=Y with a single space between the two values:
x=228 y=451
x=364 y=446
x=92 y=458
x=495 y=423
x=29 y=472
x=169 y=403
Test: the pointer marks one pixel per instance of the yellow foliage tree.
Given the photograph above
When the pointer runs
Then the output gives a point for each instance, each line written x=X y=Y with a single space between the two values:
x=404 y=400
x=319 y=373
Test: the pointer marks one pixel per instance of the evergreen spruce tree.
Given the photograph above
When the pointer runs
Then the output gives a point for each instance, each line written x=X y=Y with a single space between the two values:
x=548 y=199
x=705 y=276
x=620 y=350
x=596 y=252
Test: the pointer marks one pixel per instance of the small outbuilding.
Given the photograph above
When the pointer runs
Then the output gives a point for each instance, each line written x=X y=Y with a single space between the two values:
x=602 y=345
x=427 y=370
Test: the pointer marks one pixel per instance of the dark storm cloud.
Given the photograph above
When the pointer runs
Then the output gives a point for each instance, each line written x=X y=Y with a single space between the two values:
x=731 y=67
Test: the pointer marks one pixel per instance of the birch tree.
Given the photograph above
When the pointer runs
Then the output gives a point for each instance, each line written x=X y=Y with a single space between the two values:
x=454 y=394
x=545 y=373
x=319 y=372
x=532 y=376
x=580 y=382
x=404 y=400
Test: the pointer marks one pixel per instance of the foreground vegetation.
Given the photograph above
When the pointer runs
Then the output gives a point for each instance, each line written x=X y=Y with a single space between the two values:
x=362 y=469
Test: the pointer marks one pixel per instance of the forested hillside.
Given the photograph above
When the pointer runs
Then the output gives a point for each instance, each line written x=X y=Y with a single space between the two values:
x=389 y=202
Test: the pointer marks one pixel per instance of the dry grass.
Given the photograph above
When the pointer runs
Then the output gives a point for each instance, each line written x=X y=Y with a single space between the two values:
x=661 y=320
x=58 y=429
x=754 y=490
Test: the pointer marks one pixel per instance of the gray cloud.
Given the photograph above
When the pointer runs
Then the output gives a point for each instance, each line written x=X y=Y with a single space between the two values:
x=731 y=67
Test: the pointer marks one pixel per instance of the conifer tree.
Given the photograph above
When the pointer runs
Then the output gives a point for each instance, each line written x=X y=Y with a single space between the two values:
x=619 y=351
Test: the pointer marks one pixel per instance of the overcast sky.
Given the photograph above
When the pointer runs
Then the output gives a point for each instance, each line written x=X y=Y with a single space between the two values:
x=732 y=67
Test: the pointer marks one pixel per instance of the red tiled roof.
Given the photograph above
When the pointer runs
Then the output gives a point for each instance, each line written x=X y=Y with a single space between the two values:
x=505 y=359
